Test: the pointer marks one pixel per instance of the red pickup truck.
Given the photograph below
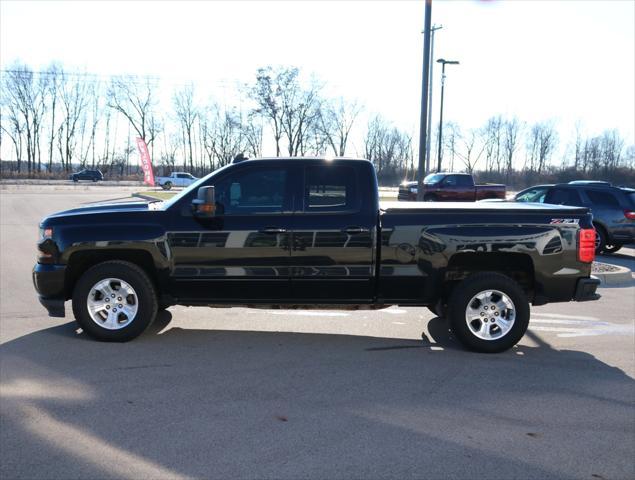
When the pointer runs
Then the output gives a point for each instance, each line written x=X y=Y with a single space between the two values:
x=451 y=187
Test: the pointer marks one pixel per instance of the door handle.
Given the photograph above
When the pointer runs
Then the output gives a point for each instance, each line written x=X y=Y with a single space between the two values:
x=273 y=230
x=355 y=230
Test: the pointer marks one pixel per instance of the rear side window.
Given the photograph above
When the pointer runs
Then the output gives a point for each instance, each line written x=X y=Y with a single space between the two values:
x=602 y=199
x=563 y=196
x=464 y=181
x=330 y=188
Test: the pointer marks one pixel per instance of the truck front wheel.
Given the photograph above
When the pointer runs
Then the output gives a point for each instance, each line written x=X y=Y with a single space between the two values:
x=488 y=312
x=166 y=186
x=114 y=301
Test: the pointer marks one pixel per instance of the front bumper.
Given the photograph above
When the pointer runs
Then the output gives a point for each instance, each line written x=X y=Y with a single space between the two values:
x=406 y=196
x=585 y=289
x=49 y=283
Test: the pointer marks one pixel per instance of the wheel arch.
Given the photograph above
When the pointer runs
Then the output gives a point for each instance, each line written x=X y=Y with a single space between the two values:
x=517 y=266
x=79 y=262
x=603 y=227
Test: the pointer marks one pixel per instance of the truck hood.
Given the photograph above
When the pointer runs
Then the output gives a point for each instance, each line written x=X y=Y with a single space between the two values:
x=104 y=208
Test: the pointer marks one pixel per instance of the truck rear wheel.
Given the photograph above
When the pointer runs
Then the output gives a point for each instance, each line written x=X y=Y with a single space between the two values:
x=488 y=312
x=114 y=301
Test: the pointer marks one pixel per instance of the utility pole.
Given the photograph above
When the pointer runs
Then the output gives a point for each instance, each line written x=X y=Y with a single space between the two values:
x=443 y=62
x=424 y=98
x=429 y=134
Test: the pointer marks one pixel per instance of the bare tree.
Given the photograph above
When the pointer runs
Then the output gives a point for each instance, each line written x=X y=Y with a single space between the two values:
x=223 y=138
x=493 y=132
x=134 y=98
x=336 y=119
x=73 y=97
x=186 y=113
x=612 y=145
x=12 y=121
x=300 y=112
x=388 y=148
x=511 y=132
x=94 y=96
x=252 y=136
x=267 y=94
x=472 y=147
x=541 y=143
x=451 y=139
x=291 y=108
x=25 y=103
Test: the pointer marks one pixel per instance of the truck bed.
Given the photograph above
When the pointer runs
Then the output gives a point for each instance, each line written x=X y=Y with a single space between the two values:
x=477 y=207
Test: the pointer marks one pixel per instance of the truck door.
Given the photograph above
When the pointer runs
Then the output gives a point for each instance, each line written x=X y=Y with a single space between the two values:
x=243 y=252
x=332 y=253
x=465 y=188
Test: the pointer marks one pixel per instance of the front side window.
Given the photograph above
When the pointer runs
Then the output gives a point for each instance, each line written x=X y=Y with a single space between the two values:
x=536 y=195
x=433 y=178
x=253 y=191
x=330 y=188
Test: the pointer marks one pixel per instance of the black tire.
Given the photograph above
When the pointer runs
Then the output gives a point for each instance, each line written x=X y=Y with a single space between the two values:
x=430 y=198
x=147 y=307
x=94 y=179
x=612 y=248
x=75 y=180
x=459 y=302
x=166 y=186
x=600 y=239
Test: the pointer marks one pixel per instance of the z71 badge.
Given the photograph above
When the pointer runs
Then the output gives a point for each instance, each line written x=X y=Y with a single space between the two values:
x=565 y=220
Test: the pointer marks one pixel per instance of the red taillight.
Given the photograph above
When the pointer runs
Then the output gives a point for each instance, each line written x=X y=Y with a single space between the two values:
x=630 y=214
x=586 y=245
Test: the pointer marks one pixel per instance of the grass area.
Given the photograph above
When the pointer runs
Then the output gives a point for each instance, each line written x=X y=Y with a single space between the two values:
x=156 y=194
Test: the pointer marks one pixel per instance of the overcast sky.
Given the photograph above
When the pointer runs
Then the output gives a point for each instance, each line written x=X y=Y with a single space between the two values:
x=567 y=61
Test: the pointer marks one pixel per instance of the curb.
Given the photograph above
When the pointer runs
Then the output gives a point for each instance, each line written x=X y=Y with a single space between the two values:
x=623 y=275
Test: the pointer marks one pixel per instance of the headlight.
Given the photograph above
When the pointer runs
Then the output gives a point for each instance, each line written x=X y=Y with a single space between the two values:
x=414 y=190
x=46 y=233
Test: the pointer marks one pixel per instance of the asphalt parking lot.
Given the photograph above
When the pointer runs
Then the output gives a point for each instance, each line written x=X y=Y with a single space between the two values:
x=237 y=393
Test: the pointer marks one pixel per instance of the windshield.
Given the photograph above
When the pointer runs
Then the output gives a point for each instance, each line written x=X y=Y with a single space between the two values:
x=175 y=199
x=433 y=178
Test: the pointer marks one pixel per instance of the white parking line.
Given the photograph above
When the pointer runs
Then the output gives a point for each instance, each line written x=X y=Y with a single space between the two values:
x=559 y=315
x=576 y=326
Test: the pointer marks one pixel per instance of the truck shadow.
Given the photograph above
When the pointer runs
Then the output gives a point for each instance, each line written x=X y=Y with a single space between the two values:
x=212 y=403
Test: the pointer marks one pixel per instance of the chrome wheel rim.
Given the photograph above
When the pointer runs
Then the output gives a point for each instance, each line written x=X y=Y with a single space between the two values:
x=490 y=315
x=112 y=303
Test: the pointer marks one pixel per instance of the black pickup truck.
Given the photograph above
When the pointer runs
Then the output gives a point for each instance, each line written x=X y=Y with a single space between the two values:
x=310 y=233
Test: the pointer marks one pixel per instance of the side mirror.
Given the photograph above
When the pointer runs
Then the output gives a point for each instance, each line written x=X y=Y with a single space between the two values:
x=204 y=205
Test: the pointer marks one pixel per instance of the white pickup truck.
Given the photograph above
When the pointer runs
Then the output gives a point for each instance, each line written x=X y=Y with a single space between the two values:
x=176 y=179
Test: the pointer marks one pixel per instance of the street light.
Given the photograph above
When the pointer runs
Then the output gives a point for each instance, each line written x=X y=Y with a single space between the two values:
x=443 y=62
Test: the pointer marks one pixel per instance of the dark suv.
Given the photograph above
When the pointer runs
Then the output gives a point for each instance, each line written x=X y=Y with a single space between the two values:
x=92 y=175
x=613 y=208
